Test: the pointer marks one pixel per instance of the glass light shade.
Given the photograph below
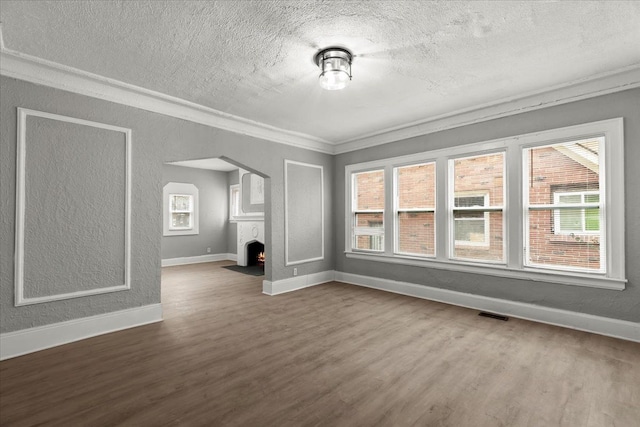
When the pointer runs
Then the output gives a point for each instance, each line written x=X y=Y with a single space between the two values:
x=335 y=64
x=334 y=80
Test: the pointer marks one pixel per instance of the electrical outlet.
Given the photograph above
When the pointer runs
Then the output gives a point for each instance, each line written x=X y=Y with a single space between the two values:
x=295 y=271
x=208 y=250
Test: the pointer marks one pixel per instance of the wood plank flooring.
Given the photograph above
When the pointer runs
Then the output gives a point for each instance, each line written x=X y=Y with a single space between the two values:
x=330 y=355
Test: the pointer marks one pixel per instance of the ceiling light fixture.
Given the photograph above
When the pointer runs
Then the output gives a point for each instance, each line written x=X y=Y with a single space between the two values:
x=335 y=66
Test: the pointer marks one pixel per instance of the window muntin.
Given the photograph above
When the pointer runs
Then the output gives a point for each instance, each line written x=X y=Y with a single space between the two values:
x=414 y=217
x=564 y=221
x=368 y=205
x=477 y=201
x=181 y=210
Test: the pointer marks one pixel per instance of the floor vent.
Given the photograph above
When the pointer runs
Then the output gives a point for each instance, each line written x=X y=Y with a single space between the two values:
x=493 y=316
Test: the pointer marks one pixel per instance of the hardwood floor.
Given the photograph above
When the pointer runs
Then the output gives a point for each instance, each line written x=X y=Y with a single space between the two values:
x=330 y=355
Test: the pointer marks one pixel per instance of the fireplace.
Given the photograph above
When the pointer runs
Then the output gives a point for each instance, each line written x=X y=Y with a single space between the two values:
x=250 y=233
x=254 y=250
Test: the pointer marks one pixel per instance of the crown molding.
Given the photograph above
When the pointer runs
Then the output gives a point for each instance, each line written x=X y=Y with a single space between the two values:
x=601 y=84
x=40 y=71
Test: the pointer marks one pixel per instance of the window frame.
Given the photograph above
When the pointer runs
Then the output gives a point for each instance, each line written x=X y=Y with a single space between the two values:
x=514 y=207
x=485 y=219
x=367 y=231
x=582 y=206
x=397 y=210
x=180 y=211
x=182 y=189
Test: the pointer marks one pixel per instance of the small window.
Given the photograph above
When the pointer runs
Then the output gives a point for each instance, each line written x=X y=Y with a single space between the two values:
x=181 y=207
x=471 y=228
x=577 y=221
x=368 y=210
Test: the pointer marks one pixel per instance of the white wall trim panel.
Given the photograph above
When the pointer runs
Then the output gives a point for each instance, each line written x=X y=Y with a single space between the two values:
x=13 y=344
x=296 y=283
x=198 y=259
x=20 y=299
x=287 y=216
x=569 y=319
x=40 y=71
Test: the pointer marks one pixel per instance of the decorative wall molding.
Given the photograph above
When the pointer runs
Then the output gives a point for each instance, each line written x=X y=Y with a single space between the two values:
x=198 y=259
x=603 y=84
x=36 y=70
x=296 y=283
x=13 y=344
x=568 y=319
x=287 y=216
x=21 y=155
x=40 y=71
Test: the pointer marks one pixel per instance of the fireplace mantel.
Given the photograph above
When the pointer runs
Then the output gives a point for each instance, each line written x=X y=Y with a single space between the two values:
x=248 y=232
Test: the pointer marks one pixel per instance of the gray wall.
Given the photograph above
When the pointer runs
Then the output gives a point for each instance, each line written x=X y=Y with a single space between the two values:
x=146 y=197
x=213 y=210
x=156 y=139
x=614 y=304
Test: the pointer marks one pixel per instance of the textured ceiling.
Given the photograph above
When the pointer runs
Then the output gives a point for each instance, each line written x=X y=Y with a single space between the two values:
x=254 y=59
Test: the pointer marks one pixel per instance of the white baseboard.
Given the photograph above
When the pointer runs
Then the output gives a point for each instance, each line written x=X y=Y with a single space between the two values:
x=295 y=283
x=13 y=344
x=198 y=259
x=553 y=316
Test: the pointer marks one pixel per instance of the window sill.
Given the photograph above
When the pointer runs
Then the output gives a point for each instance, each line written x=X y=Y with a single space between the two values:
x=500 y=270
x=580 y=239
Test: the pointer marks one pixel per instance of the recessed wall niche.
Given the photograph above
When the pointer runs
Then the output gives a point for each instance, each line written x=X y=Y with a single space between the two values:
x=72 y=208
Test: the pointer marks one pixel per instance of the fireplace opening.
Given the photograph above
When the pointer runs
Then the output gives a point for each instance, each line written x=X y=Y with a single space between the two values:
x=255 y=250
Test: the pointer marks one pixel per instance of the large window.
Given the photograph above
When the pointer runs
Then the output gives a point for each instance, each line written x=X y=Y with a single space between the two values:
x=415 y=209
x=368 y=211
x=547 y=206
x=477 y=201
x=564 y=224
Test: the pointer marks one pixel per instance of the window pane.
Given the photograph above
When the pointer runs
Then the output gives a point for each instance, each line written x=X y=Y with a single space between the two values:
x=369 y=190
x=416 y=186
x=564 y=174
x=563 y=168
x=478 y=238
x=592 y=220
x=477 y=177
x=567 y=249
x=370 y=242
x=570 y=220
x=416 y=233
x=469 y=201
x=369 y=220
x=470 y=227
x=180 y=220
x=180 y=203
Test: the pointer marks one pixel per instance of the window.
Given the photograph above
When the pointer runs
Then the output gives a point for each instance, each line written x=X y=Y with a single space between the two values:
x=477 y=205
x=234 y=202
x=368 y=211
x=546 y=206
x=563 y=221
x=577 y=221
x=181 y=208
x=180 y=213
x=471 y=228
x=415 y=209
